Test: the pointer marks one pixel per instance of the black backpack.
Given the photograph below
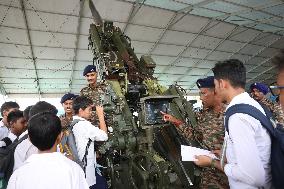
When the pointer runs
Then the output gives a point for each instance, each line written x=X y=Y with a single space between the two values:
x=68 y=143
x=7 y=158
x=276 y=132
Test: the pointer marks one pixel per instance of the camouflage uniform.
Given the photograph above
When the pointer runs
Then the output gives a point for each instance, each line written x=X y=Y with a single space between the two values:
x=65 y=121
x=275 y=109
x=94 y=93
x=209 y=132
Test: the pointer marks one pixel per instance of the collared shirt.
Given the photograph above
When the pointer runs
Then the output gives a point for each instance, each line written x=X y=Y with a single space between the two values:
x=24 y=150
x=83 y=131
x=94 y=93
x=4 y=131
x=248 y=149
x=48 y=171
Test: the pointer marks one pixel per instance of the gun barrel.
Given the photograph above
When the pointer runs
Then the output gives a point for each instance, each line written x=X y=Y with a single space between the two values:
x=96 y=16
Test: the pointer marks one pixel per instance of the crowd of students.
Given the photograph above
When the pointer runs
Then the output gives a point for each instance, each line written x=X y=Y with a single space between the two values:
x=39 y=161
x=37 y=157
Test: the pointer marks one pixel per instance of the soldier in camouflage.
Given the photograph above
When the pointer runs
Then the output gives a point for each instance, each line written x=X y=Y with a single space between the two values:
x=66 y=119
x=67 y=102
x=258 y=92
x=94 y=90
x=209 y=131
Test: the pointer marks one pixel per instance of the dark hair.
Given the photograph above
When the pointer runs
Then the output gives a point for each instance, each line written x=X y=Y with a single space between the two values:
x=278 y=60
x=81 y=102
x=26 y=112
x=232 y=70
x=42 y=106
x=43 y=129
x=14 y=116
x=9 y=105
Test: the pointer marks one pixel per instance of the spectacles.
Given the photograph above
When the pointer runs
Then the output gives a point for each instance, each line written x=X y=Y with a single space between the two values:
x=275 y=90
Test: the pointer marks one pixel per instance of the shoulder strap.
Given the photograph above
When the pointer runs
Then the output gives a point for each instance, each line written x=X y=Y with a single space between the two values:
x=74 y=122
x=16 y=142
x=252 y=111
x=267 y=111
x=84 y=159
x=23 y=138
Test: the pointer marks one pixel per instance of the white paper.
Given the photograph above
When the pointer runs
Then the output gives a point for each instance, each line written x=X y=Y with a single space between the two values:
x=188 y=153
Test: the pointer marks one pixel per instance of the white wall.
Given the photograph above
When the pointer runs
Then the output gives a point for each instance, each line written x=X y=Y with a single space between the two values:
x=25 y=102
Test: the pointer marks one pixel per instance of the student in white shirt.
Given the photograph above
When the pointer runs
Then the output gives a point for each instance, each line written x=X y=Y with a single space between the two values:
x=84 y=130
x=248 y=142
x=48 y=169
x=6 y=108
x=25 y=149
x=17 y=124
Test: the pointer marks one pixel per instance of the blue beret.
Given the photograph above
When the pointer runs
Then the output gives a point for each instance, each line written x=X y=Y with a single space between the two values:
x=207 y=82
x=260 y=86
x=67 y=96
x=88 y=69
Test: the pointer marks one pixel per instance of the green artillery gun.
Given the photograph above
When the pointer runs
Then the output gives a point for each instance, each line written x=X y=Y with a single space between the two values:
x=142 y=151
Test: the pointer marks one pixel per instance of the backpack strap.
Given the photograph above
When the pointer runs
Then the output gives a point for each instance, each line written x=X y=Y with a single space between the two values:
x=16 y=142
x=253 y=112
x=84 y=160
x=23 y=138
x=74 y=122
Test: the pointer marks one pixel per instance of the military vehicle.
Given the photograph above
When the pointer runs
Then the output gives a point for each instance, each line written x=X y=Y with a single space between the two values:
x=143 y=151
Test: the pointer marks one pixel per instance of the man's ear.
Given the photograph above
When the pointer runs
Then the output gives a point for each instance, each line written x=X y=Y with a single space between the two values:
x=223 y=84
x=5 y=113
x=10 y=123
x=79 y=111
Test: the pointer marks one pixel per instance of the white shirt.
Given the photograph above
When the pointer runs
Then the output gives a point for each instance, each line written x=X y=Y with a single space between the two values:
x=4 y=131
x=248 y=149
x=23 y=134
x=83 y=131
x=48 y=171
x=12 y=138
x=24 y=150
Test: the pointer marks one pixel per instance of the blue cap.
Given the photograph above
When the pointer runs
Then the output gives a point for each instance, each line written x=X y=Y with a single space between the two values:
x=207 y=82
x=67 y=96
x=260 y=86
x=88 y=69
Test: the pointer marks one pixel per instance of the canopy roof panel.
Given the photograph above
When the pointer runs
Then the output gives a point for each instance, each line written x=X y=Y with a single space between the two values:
x=43 y=44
